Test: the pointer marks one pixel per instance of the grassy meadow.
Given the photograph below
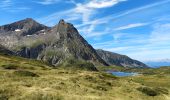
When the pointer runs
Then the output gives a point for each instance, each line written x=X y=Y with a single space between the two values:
x=25 y=79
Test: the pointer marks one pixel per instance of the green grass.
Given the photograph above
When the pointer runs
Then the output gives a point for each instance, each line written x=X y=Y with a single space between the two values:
x=77 y=65
x=19 y=81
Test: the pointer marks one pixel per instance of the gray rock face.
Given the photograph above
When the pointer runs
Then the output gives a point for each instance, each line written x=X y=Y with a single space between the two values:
x=17 y=34
x=119 y=60
x=3 y=50
x=67 y=43
x=24 y=27
x=53 y=45
x=32 y=52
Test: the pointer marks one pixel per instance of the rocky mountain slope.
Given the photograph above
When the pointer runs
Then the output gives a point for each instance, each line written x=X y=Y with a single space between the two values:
x=14 y=34
x=119 y=60
x=24 y=27
x=54 y=45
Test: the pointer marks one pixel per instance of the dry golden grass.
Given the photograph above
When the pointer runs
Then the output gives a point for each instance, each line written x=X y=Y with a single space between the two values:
x=66 y=84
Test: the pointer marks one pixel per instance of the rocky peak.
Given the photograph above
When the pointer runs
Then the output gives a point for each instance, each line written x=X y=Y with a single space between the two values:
x=29 y=19
x=67 y=41
x=27 y=26
x=65 y=31
x=61 y=21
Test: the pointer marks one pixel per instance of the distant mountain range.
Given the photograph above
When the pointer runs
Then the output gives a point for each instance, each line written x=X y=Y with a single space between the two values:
x=158 y=63
x=30 y=39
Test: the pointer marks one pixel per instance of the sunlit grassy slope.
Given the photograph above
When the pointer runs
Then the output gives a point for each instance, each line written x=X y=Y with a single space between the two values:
x=23 y=79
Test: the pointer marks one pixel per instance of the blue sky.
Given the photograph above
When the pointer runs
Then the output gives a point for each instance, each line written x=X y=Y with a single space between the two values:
x=137 y=28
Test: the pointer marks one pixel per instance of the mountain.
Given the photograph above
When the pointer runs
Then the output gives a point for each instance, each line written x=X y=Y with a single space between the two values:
x=24 y=27
x=158 y=63
x=12 y=34
x=119 y=60
x=29 y=39
x=56 y=45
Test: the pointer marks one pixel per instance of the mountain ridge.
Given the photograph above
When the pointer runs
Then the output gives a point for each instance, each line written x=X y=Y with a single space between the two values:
x=51 y=44
x=26 y=26
x=119 y=60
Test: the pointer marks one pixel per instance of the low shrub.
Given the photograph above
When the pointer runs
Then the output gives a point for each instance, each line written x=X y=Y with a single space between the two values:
x=148 y=91
x=25 y=73
x=10 y=66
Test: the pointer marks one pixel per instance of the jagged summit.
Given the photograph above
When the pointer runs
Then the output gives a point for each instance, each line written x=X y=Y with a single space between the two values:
x=70 y=44
x=61 y=21
x=29 y=19
x=24 y=27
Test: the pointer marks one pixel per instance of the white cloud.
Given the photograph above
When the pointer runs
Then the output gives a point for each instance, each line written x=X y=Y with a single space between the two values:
x=142 y=52
x=52 y=19
x=154 y=45
x=150 y=54
x=130 y=26
x=114 y=17
x=102 y=3
x=135 y=10
x=118 y=49
x=89 y=30
x=160 y=33
x=11 y=6
x=89 y=8
x=47 y=2
x=95 y=34
x=5 y=4
x=82 y=11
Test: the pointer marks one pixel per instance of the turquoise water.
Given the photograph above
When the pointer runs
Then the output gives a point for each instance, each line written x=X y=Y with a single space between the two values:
x=122 y=74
